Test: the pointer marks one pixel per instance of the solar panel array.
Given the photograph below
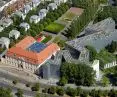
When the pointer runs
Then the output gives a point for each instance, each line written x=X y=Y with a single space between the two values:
x=37 y=47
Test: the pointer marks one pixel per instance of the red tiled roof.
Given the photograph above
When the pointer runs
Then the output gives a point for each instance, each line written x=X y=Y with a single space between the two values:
x=25 y=42
x=32 y=57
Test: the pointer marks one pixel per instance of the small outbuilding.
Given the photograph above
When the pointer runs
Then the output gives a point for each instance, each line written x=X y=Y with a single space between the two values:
x=52 y=6
x=42 y=13
x=14 y=33
x=34 y=19
x=24 y=25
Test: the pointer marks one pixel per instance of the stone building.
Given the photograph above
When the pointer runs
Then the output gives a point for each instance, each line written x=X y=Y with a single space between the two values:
x=29 y=54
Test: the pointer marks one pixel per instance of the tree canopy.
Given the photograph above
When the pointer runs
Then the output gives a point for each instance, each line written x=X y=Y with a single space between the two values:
x=80 y=74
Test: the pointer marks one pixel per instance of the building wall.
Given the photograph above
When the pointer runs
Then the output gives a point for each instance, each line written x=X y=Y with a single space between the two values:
x=109 y=65
x=19 y=64
x=95 y=67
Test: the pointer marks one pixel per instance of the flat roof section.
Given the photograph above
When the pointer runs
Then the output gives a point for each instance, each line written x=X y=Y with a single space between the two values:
x=37 y=47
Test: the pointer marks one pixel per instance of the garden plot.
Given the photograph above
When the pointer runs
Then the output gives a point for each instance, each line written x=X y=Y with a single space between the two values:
x=70 y=15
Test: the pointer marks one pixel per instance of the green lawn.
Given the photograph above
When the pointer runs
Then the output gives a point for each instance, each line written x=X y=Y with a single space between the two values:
x=48 y=38
x=54 y=28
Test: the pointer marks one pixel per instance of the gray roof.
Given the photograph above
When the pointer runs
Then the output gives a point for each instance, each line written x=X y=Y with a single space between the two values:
x=34 y=17
x=104 y=33
x=25 y=25
x=14 y=32
x=6 y=22
x=52 y=4
x=43 y=10
x=35 y=1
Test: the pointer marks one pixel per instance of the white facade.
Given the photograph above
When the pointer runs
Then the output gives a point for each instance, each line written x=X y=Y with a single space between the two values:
x=1 y=28
x=95 y=67
x=6 y=22
x=34 y=19
x=52 y=6
x=58 y=2
x=26 y=26
x=42 y=13
x=20 y=14
x=109 y=65
x=27 y=8
x=5 y=42
x=14 y=33
x=19 y=64
x=35 y=3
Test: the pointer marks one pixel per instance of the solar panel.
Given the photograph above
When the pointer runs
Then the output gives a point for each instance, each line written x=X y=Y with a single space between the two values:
x=37 y=47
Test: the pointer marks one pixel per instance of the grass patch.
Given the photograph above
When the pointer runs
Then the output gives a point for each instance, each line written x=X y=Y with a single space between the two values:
x=48 y=38
x=54 y=28
x=59 y=41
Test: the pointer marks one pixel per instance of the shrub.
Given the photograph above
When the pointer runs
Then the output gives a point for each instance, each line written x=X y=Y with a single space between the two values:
x=52 y=90
x=60 y=91
x=15 y=82
x=35 y=87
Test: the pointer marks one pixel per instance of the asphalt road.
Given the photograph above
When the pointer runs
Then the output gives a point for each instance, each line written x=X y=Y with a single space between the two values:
x=9 y=77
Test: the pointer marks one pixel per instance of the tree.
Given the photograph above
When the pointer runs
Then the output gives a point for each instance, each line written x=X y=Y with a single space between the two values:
x=35 y=87
x=79 y=91
x=63 y=81
x=105 y=81
x=19 y=93
x=92 y=53
x=85 y=94
x=15 y=82
x=45 y=90
x=37 y=95
x=28 y=85
x=71 y=92
x=60 y=91
x=112 y=93
x=80 y=74
x=52 y=90
x=5 y=92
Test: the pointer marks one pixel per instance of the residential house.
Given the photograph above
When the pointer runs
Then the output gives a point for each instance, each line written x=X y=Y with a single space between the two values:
x=4 y=41
x=20 y=14
x=15 y=34
x=27 y=8
x=42 y=13
x=52 y=6
x=34 y=19
x=58 y=2
x=6 y=22
x=24 y=25
x=35 y=3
